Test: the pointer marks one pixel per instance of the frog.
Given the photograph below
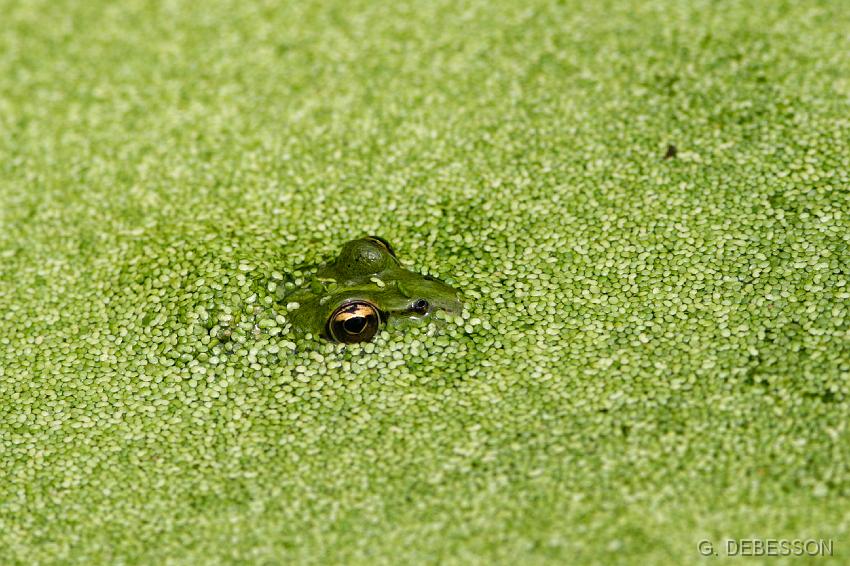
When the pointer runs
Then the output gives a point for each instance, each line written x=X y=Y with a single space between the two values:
x=363 y=290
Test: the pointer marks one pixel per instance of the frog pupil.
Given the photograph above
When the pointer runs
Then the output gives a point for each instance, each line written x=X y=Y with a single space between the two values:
x=355 y=325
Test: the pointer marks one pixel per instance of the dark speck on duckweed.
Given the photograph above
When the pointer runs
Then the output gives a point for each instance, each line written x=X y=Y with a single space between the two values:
x=651 y=351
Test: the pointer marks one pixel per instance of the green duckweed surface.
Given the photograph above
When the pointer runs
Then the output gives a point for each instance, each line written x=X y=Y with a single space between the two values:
x=653 y=352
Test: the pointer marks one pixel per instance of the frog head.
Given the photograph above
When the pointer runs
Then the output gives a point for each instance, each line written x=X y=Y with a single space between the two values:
x=365 y=288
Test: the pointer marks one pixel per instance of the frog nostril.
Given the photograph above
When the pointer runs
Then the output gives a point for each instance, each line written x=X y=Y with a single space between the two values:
x=420 y=306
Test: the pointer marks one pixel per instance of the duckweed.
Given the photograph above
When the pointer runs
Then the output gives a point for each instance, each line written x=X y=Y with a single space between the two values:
x=655 y=347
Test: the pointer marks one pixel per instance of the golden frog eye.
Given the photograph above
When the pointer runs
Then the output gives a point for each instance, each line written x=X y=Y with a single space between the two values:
x=357 y=321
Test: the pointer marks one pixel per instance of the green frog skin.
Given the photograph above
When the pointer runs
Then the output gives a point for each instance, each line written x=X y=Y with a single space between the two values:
x=364 y=289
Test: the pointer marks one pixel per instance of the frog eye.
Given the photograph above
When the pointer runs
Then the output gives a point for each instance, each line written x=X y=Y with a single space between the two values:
x=357 y=321
x=382 y=242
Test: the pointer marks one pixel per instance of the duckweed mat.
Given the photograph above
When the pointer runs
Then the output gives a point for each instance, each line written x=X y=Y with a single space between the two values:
x=646 y=204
